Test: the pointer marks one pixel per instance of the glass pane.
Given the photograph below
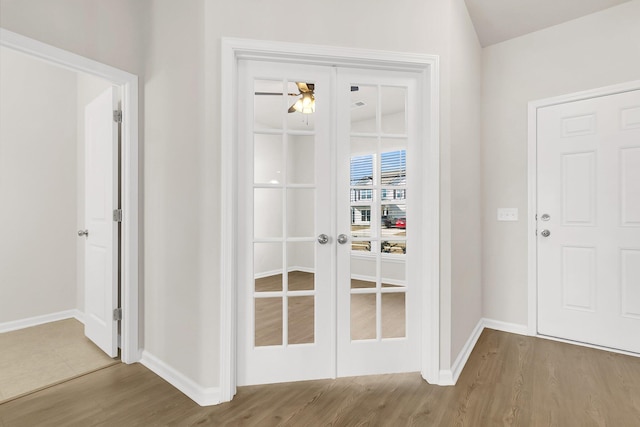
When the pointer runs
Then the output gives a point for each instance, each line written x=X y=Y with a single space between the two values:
x=301 y=265
x=267 y=212
x=269 y=104
x=300 y=160
x=267 y=155
x=393 y=247
x=267 y=266
x=393 y=315
x=364 y=104
x=301 y=320
x=361 y=171
x=361 y=246
x=363 y=316
x=305 y=103
x=363 y=272
x=363 y=146
x=268 y=326
x=394 y=102
x=393 y=168
x=300 y=212
x=393 y=272
x=361 y=220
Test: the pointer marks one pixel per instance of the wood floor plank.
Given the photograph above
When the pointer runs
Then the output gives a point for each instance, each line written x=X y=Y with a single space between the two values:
x=509 y=380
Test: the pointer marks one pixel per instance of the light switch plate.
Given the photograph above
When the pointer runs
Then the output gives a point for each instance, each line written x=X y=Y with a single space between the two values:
x=507 y=214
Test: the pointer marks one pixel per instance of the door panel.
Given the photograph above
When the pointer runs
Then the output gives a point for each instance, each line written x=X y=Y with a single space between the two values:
x=101 y=198
x=285 y=289
x=588 y=178
x=377 y=306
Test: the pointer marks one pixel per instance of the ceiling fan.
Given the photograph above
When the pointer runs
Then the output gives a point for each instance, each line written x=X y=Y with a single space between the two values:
x=306 y=104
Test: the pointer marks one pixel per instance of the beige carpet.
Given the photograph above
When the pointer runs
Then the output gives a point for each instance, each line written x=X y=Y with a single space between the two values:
x=43 y=355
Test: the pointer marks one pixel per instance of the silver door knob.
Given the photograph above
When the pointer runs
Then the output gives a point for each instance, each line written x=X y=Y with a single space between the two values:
x=546 y=233
x=323 y=239
x=83 y=233
x=342 y=239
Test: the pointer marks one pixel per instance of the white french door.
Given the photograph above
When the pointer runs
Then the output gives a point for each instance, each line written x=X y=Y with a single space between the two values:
x=377 y=301
x=589 y=221
x=325 y=223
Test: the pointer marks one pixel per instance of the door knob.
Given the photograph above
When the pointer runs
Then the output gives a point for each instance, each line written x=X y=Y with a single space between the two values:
x=546 y=233
x=83 y=233
x=342 y=239
x=323 y=239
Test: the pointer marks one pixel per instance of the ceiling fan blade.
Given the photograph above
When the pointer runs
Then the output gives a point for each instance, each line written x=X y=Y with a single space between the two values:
x=291 y=109
x=303 y=87
x=276 y=93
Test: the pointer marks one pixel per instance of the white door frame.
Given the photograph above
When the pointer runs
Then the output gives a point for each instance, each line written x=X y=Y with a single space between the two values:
x=428 y=67
x=129 y=244
x=533 y=191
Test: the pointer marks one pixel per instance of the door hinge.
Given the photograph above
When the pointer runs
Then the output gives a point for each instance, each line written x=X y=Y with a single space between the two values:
x=117 y=314
x=117 y=116
x=117 y=215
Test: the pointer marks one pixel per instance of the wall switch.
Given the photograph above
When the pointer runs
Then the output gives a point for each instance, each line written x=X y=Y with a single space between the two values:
x=507 y=214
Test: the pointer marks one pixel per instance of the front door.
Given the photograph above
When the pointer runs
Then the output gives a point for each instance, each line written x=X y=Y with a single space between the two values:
x=323 y=288
x=589 y=221
x=101 y=198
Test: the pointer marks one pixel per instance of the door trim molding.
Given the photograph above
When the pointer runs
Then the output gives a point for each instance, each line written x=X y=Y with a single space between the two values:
x=533 y=107
x=129 y=84
x=232 y=50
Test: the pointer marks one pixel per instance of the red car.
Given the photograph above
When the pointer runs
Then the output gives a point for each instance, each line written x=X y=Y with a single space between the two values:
x=401 y=223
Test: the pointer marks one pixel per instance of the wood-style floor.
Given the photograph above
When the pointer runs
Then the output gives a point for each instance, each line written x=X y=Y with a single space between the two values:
x=509 y=380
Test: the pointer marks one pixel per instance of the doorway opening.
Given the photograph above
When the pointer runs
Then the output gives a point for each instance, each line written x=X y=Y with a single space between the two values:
x=93 y=78
x=347 y=234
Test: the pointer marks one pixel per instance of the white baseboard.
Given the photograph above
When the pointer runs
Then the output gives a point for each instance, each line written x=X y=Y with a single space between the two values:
x=14 y=325
x=203 y=396
x=450 y=376
x=264 y=274
x=513 y=328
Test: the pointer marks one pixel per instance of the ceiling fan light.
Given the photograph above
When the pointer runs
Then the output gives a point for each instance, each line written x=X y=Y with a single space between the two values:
x=306 y=104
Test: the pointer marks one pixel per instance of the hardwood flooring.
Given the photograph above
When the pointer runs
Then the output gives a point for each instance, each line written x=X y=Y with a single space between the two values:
x=509 y=380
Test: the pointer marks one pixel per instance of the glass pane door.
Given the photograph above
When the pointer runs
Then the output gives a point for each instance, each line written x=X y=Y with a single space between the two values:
x=286 y=280
x=375 y=137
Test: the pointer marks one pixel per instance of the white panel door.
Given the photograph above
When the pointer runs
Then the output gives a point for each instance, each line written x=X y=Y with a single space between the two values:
x=285 y=279
x=101 y=196
x=378 y=298
x=589 y=221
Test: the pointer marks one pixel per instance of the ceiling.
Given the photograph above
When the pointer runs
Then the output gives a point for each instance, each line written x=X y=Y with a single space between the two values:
x=499 y=20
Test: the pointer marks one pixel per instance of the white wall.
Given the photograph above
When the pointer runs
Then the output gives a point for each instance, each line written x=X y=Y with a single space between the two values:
x=175 y=48
x=37 y=187
x=466 y=179
x=594 y=51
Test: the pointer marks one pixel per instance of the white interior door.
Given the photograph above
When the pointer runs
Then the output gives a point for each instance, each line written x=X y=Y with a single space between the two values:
x=310 y=307
x=285 y=280
x=101 y=197
x=589 y=221
x=378 y=299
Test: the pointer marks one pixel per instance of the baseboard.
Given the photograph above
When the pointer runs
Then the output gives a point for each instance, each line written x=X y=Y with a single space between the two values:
x=14 y=325
x=512 y=328
x=203 y=396
x=276 y=272
x=450 y=376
